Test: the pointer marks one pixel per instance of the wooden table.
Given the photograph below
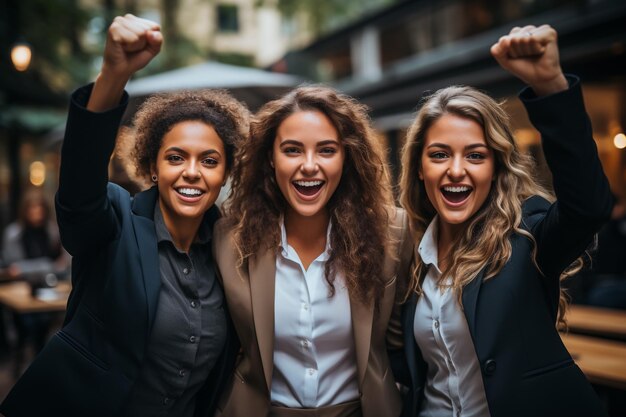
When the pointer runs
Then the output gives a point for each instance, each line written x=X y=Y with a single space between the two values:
x=597 y=321
x=603 y=361
x=17 y=297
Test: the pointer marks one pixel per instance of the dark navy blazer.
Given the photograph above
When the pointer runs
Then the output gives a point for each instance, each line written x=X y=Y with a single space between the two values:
x=89 y=366
x=526 y=369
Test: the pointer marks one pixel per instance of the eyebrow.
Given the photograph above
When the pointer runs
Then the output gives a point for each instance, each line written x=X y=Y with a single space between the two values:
x=468 y=147
x=180 y=150
x=320 y=143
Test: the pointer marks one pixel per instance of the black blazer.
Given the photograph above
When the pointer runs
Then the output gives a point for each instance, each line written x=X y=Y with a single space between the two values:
x=88 y=368
x=526 y=369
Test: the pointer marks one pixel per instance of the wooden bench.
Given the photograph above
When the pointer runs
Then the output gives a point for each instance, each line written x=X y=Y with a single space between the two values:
x=597 y=321
x=603 y=361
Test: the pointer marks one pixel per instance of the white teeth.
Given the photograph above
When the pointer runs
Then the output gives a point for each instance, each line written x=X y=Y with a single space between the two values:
x=190 y=192
x=308 y=183
x=459 y=189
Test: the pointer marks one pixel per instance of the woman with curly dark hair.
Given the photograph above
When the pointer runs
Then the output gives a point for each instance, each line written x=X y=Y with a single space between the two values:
x=146 y=332
x=308 y=253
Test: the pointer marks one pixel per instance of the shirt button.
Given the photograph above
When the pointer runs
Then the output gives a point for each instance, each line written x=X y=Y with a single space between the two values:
x=436 y=323
x=166 y=400
x=192 y=339
x=193 y=304
x=305 y=306
x=181 y=372
x=311 y=371
x=185 y=271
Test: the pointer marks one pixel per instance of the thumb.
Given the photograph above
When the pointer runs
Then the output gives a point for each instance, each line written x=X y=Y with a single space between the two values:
x=155 y=41
x=500 y=49
x=499 y=54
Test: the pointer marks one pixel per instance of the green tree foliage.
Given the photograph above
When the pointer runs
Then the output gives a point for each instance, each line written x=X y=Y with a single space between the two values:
x=53 y=30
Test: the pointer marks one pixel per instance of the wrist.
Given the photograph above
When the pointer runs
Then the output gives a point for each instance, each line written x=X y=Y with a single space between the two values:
x=113 y=79
x=555 y=85
x=107 y=92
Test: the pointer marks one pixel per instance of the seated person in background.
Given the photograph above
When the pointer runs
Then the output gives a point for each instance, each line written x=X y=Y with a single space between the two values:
x=31 y=249
x=31 y=245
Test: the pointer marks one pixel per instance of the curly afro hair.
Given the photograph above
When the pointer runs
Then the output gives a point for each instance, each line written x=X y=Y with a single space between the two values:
x=159 y=113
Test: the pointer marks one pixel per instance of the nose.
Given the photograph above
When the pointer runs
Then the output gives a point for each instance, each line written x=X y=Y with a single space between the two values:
x=309 y=165
x=192 y=170
x=456 y=170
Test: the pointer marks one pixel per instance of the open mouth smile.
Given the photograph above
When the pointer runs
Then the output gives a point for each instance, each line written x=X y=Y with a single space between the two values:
x=308 y=188
x=456 y=195
x=188 y=193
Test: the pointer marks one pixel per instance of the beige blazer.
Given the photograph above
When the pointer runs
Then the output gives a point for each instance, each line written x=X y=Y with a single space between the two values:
x=250 y=296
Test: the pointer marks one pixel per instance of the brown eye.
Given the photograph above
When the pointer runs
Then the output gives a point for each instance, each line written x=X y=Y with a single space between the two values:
x=210 y=161
x=438 y=155
x=174 y=158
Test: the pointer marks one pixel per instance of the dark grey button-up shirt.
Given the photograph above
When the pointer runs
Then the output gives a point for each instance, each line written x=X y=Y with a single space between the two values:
x=189 y=331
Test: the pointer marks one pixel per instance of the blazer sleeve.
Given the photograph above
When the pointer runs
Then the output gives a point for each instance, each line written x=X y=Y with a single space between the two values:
x=84 y=212
x=584 y=200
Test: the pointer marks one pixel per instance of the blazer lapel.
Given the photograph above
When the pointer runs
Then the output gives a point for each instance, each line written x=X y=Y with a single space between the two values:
x=262 y=272
x=362 y=320
x=410 y=347
x=149 y=257
x=470 y=299
x=143 y=206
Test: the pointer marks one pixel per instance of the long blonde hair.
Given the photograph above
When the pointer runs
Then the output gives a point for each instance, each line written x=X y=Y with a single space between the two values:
x=485 y=243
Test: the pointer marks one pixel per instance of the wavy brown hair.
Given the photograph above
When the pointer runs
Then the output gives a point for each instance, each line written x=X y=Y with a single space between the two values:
x=358 y=207
x=159 y=113
x=485 y=242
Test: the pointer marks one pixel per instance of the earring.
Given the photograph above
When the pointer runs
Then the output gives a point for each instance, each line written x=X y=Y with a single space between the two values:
x=154 y=178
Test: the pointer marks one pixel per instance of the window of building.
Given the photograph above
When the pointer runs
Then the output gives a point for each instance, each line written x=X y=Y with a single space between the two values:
x=228 y=18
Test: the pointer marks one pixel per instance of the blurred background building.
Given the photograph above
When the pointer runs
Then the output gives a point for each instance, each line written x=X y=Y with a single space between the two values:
x=391 y=58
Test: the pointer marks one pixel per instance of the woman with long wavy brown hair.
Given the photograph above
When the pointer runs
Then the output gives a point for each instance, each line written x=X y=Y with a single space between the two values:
x=308 y=252
x=480 y=321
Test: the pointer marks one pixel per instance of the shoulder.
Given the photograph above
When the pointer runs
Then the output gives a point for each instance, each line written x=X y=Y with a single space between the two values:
x=224 y=240
x=398 y=219
x=13 y=229
x=223 y=229
x=399 y=232
x=533 y=209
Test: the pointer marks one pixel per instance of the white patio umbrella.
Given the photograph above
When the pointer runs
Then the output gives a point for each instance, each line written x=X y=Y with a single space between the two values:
x=250 y=85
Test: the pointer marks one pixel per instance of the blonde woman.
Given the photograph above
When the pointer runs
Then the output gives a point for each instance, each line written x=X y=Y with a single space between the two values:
x=309 y=257
x=480 y=322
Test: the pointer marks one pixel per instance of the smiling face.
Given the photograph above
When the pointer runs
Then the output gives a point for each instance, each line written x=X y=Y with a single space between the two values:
x=191 y=169
x=457 y=168
x=308 y=161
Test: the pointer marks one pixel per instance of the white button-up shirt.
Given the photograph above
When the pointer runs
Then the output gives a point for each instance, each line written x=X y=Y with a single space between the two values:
x=454 y=385
x=314 y=354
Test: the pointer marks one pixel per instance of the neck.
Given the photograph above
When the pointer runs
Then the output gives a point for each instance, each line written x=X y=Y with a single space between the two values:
x=307 y=234
x=183 y=230
x=447 y=235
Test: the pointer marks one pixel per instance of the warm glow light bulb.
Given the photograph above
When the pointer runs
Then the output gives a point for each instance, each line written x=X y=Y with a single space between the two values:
x=37 y=173
x=620 y=141
x=20 y=56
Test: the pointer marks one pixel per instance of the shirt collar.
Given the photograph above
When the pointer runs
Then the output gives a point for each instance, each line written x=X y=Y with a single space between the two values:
x=163 y=235
x=428 y=245
x=286 y=249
